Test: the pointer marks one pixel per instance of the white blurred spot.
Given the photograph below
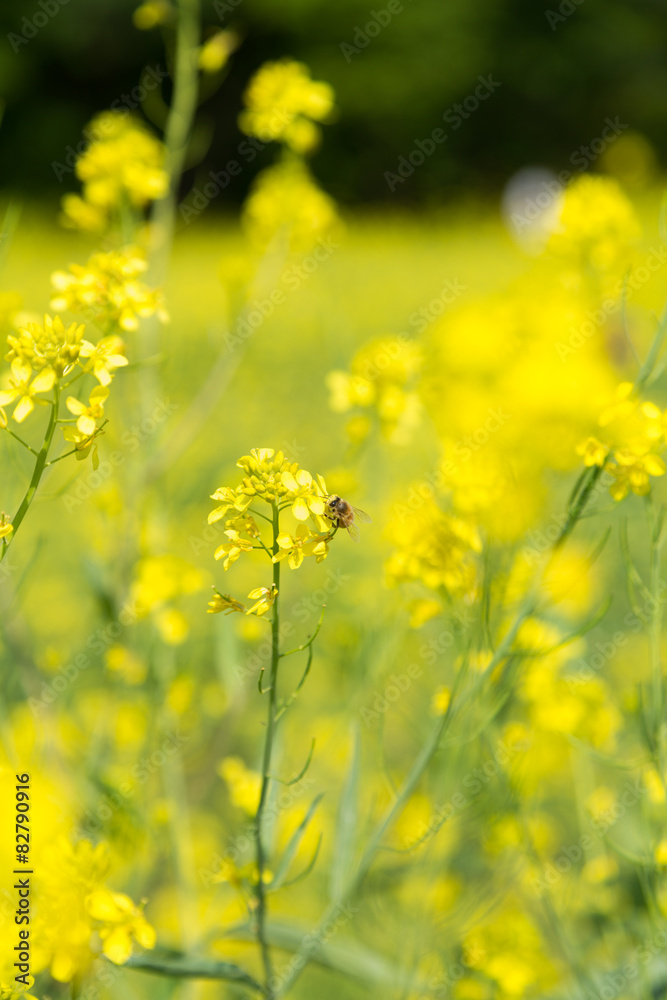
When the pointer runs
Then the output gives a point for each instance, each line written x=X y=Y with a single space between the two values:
x=531 y=206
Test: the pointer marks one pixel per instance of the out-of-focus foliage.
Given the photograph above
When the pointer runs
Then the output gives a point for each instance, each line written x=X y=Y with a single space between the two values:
x=561 y=74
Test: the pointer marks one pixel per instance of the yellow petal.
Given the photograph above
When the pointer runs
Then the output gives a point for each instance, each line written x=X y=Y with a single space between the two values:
x=74 y=405
x=289 y=481
x=654 y=465
x=24 y=408
x=300 y=509
x=44 y=381
x=62 y=967
x=144 y=933
x=86 y=424
x=118 y=946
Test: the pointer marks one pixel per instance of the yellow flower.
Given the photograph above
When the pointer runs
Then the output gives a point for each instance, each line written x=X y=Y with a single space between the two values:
x=282 y=103
x=105 y=357
x=152 y=13
x=224 y=603
x=440 y=701
x=304 y=543
x=596 y=227
x=50 y=346
x=382 y=376
x=286 y=204
x=633 y=433
x=264 y=598
x=82 y=443
x=124 y=922
x=108 y=288
x=233 y=547
x=660 y=853
x=593 y=452
x=24 y=391
x=244 y=785
x=216 y=50
x=6 y=528
x=436 y=548
x=230 y=498
x=123 y=164
x=264 y=470
x=303 y=493
x=88 y=415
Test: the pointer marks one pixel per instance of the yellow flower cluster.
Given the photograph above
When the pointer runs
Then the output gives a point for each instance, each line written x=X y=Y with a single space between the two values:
x=286 y=204
x=75 y=904
x=243 y=784
x=107 y=289
x=632 y=435
x=281 y=484
x=52 y=351
x=122 y=169
x=382 y=379
x=596 y=227
x=159 y=585
x=508 y=949
x=434 y=548
x=283 y=104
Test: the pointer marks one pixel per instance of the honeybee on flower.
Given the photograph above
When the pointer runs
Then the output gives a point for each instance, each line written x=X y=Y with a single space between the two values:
x=343 y=515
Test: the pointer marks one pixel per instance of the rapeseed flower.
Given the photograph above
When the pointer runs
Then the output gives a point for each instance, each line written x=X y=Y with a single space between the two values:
x=25 y=390
x=283 y=103
x=108 y=290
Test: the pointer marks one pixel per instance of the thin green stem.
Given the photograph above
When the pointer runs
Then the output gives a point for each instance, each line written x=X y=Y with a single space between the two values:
x=20 y=440
x=266 y=762
x=655 y=633
x=38 y=471
x=307 y=951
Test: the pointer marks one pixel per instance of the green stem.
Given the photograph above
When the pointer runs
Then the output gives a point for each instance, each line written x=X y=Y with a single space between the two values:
x=655 y=634
x=38 y=471
x=20 y=440
x=578 y=503
x=266 y=761
x=306 y=952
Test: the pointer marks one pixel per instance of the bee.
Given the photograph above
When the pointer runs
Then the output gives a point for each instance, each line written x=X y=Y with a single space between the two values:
x=343 y=515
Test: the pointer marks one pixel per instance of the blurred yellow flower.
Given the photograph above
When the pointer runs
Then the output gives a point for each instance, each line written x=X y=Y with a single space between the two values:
x=107 y=288
x=122 y=166
x=216 y=50
x=286 y=204
x=244 y=785
x=282 y=104
x=123 y=923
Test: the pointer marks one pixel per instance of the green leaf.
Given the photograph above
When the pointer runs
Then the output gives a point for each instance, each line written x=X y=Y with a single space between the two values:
x=293 y=846
x=185 y=967
x=349 y=958
x=346 y=825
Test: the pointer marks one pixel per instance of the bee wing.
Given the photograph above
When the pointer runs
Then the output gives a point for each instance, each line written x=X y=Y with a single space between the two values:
x=362 y=516
x=353 y=531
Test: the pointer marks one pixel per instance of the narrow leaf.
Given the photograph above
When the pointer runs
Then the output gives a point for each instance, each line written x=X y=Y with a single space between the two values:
x=293 y=846
x=346 y=826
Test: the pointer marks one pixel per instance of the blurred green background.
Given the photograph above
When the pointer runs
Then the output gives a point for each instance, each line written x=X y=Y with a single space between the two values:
x=563 y=68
